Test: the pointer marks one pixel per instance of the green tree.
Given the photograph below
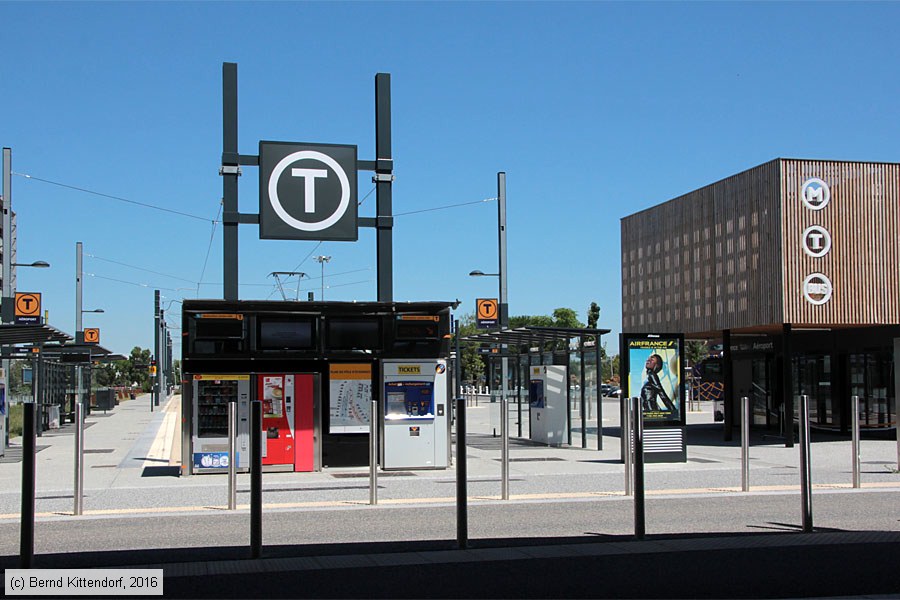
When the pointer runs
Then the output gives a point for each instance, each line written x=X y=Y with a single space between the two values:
x=593 y=316
x=136 y=368
x=696 y=350
x=471 y=363
x=566 y=317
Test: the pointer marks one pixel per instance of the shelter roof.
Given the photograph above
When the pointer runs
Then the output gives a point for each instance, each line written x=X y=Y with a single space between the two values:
x=533 y=334
x=12 y=334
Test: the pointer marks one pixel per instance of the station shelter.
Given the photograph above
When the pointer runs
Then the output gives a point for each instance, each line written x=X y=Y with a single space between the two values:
x=316 y=367
x=53 y=357
x=574 y=352
x=793 y=267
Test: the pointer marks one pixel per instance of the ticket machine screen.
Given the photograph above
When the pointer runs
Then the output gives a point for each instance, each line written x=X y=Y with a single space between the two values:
x=409 y=400
x=536 y=393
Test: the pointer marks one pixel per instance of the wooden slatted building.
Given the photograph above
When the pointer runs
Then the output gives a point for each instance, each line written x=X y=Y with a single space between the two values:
x=802 y=254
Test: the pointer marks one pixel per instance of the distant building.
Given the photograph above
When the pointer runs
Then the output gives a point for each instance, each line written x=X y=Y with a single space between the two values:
x=793 y=260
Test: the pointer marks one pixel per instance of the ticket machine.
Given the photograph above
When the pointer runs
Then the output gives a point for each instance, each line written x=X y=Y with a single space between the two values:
x=211 y=395
x=547 y=399
x=288 y=432
x=415 y=425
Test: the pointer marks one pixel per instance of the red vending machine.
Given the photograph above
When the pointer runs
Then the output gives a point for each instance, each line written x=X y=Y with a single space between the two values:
x=288 y=423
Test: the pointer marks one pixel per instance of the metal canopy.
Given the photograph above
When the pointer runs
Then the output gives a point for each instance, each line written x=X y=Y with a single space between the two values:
x=11 y=334
x=533 y=334
x=96 y=351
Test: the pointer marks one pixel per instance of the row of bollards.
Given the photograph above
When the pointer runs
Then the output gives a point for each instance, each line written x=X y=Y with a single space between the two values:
x=633 y=458
x=632 y=418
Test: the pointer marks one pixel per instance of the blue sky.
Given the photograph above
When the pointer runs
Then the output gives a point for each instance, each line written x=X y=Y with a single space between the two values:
x=594 y=111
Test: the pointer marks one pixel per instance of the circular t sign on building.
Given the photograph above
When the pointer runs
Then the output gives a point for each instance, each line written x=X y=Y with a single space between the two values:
x=307 y=192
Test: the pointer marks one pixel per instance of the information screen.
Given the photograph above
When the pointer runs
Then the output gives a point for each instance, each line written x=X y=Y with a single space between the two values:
x=354 y=334
x=284 y=334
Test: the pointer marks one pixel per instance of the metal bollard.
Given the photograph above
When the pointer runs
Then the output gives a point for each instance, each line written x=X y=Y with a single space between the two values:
x=256 y=479
x=462 y=496
x=628 y=447
x=855 y=439
x=232 y=455
x=79 y=458
x=639 y=511
x=26 y=530
x=504 y=437
x=373 y=454
x=805 y=471
x=745 y=444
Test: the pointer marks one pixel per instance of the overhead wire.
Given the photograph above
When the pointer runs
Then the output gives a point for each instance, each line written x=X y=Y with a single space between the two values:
x=111 y=197
x=424 y=210
x=212 y=234
x=115 y=262
x=143 y=285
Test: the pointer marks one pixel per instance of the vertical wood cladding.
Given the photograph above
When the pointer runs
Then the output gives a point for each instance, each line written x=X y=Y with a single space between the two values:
x=862 y=217
x=730 y=255
x=708 y=260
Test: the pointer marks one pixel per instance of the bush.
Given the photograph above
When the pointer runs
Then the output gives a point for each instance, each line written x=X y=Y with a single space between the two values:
x=15 y=420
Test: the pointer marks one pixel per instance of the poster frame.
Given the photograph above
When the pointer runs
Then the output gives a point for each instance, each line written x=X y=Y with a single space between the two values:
x=633 y=344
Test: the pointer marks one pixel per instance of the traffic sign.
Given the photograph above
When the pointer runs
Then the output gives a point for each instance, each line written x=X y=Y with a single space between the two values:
x=487 y=311
x=92 y=335
x=307 y=192
x=28 y=307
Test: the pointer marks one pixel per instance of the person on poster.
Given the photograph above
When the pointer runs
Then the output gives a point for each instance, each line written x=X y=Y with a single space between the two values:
x=652 y=391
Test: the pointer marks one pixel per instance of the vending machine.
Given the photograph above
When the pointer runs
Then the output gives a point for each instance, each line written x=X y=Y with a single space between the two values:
x=211 y=395
x=288 y=440
x=547 y=399
x=415 y=425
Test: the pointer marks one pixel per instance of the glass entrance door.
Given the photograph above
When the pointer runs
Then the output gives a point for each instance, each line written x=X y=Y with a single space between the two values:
x=812 y=377
x=764 y=412
x=870 y=379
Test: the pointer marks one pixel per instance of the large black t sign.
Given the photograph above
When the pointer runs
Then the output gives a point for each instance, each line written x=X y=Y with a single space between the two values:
x=307 y=192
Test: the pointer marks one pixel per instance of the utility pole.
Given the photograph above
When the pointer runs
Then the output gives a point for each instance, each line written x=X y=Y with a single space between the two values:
x=504 y=323
x=157 y=316
x=6 y=307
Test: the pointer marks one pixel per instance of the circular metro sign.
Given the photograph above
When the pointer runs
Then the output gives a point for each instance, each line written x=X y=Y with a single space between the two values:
x=815 y=194
x=817 y=289
x=307 y=191
x=816 y=241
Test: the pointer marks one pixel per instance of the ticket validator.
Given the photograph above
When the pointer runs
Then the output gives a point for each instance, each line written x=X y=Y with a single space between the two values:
x=416 y=424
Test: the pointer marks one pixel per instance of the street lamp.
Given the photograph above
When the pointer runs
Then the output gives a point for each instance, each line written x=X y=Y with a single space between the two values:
x=503 y=323
x=322 y=260
x=8 y=292
x=477 y=273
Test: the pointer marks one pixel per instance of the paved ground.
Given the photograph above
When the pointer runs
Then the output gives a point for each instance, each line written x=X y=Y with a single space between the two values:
x=563 y=500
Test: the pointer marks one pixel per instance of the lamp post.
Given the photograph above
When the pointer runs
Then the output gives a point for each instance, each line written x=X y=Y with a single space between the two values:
x=322 y=260
x=7 y=291
x=503 y=323
x=7 y=308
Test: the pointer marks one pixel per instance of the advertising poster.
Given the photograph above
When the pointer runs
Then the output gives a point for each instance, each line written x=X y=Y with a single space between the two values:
x=273 y=396
x=654 y=376
x=351 y=397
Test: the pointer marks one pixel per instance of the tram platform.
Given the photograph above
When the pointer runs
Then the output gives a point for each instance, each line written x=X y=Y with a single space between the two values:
x=566 y=530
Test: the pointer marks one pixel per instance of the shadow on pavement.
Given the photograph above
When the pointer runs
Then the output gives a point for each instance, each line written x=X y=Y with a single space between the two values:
x=545 y=568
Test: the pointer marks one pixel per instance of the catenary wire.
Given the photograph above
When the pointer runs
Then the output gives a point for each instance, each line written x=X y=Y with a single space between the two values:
x=111 y=197
x=115 y=262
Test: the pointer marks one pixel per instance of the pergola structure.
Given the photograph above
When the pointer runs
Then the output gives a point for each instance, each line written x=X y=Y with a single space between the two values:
x=525 y=338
